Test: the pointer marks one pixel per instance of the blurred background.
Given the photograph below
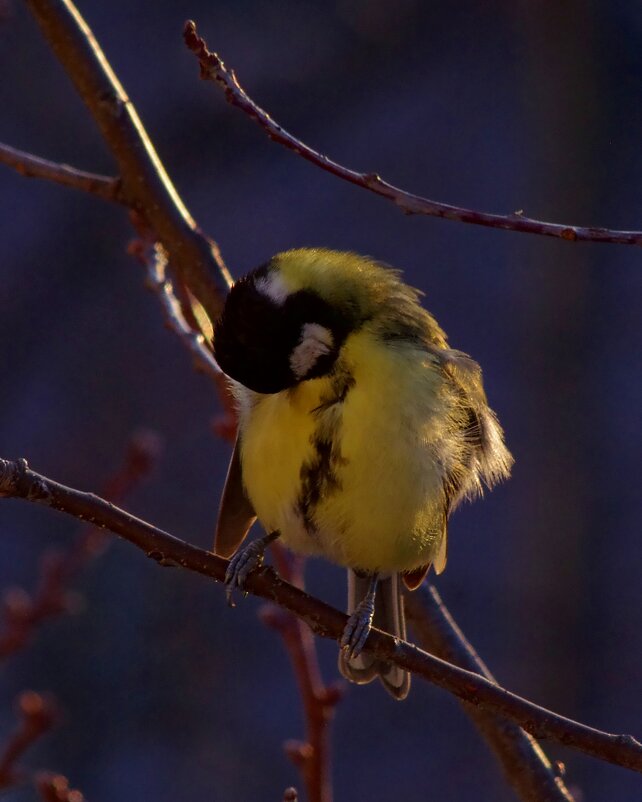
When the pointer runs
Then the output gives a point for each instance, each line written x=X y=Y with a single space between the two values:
x=170 y=695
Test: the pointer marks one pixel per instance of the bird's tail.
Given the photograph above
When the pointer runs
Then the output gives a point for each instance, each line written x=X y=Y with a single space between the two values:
x=389 y=617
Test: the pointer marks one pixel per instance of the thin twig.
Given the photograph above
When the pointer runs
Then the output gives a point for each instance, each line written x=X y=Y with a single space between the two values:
x=61 y=21
x=313 y=756
x=18 y=481
x=145 y=186
x=37 y=717
x=21 y=612
x=213 y=69
x=30 y=166
x=525 y=765
x=158 y=281
x=145 y=183
x=153 y=256
x=55 y=788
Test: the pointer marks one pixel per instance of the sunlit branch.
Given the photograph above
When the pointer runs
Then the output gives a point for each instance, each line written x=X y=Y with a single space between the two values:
x=146 y=186
x=155 y=260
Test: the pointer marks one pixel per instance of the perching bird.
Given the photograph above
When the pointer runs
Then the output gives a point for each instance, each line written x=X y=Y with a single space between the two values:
x=360 y=431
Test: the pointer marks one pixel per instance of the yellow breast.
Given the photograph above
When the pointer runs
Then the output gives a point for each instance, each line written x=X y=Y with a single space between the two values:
x=357 y=480
x=276 y=441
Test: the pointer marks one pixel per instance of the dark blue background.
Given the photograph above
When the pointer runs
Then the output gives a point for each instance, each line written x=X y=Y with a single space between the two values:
x=498 y=106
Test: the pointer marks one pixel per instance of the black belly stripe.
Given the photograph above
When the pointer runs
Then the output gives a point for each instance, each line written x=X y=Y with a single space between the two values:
x=319 y=479
x=320 y=475
x=342 y=381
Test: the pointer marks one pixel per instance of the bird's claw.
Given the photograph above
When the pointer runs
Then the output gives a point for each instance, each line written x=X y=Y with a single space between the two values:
x=358 y=628
x=241 y=566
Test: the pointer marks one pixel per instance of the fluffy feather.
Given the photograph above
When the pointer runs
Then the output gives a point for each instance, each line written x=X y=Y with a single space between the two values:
x=363 y=430
x=390 y=441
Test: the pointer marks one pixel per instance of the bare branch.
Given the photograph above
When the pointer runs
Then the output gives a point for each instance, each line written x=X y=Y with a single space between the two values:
x=23 y=612
x=213 y=69
x=145 y=183
x=153 y=257
x=525 y=765
x=147 y=189
x=37 y=716
x=312 y=756
x=55 y=788
x=18 y=481
x=155 y=260
x=30 y=166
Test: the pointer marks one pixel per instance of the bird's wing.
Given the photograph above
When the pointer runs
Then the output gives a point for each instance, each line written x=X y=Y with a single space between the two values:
x=236 y=514
x=489 y=461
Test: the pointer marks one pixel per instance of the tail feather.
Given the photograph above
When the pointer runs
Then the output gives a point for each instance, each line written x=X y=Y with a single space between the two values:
x=389 y=617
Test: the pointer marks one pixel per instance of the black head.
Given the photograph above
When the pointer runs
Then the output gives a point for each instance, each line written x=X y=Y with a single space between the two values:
x=268 y=340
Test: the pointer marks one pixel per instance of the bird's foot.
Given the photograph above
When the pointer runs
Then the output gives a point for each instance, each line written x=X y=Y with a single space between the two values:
x=242 y=564
x=358 y=627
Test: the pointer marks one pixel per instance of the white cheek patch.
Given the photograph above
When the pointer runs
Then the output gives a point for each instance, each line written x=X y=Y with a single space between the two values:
x=315 y=341
x=273 y=287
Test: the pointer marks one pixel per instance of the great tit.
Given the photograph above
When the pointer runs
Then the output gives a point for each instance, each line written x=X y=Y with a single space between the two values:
x=360 y=431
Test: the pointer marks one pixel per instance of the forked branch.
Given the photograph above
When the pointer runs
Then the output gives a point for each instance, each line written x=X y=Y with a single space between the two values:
x=146 y=186
x=146 y=189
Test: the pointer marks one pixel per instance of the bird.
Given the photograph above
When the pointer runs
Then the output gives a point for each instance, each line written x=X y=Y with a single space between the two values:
x=360 y=431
